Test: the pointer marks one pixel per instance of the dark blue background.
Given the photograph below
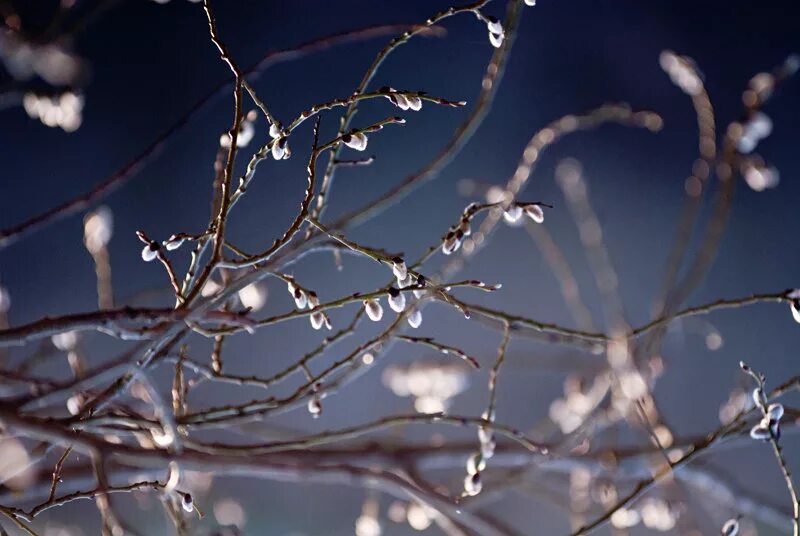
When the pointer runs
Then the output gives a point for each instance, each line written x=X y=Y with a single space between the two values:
x=151 y=62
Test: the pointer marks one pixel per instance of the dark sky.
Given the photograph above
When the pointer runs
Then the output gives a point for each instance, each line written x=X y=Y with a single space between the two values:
x=149 y=64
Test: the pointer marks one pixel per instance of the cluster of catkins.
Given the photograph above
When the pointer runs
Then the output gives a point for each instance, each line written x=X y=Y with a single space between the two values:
x=395 y=297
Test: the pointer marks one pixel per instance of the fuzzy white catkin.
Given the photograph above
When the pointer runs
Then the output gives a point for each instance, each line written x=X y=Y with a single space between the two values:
x=512 y=214
x=407 y=281
x=357 y=141
x=280 y=148
x=795 y=307
x=475 y=463
x=415 y=319
x=173 y=243
x=414 y=103
x=149 y=252
x=400 y=100
x=730 y=528
x=494 y=26
x=397 y=301
x=399 y=269
x=535 y=213
x=373 y=309
x=275 y=131
x=314 y=407
x=775 y=411
x=451 y=244
x=473 y=484
x=187 y=502
x=760 y=431
x=317 y=320
x=496 y=39
x=300 y=298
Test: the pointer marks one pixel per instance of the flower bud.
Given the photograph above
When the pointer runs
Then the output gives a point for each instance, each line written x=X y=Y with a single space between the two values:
x=487 y=449
x=315 y=407
x=280 y=148
x=187 y=502
x=730 y=528
x=464 y=227
x=407 y=281
x=150 y=251
x=496 y=39
x=475 y=463
x=399 y=268
x=374 y=309
x=512 y=214
x=317 y=320
x=173 y=242
x=399 y=100
x=452 y=241
x=794 y=305
x=757 y=397
x=415 y=318
x=414 y=102
x=775 y=412
x=356 y=140
x=494 y=25
x=473 y=484
x=275 y=130
x=535 y=213
x=397 y=300
x=760 y=432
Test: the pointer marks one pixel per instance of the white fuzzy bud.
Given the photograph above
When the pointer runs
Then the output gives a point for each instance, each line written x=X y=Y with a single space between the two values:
x=399 y=268
x=757 y=397
x=473 y=484
x=452 y=242
x=494 y=26
x=465 y=227
x=775 y=412
x=415 y=319
x=794 y=305
x=397 y=300
x=414 y=103
x=730 y=528
x=407 y=281
x=496 y=39
x=485 y=435
x=475 y=463
x=150 y=252
x=275 y=131
x=535 y=213
x=280 y=148
x=373 y=309
x=187 y=502
x=512 y=214
x=487 y=449
x=357 y=141
x=317 y=320
x=300 y=298
x=315 y=407
x=173 y=243
x=760 y=432
x=399 y=100
x=530 y=3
